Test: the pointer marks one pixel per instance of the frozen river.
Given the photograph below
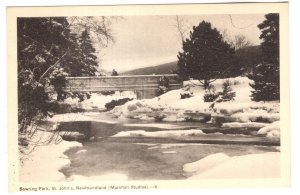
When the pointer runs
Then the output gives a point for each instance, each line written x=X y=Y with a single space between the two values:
x=150 y=150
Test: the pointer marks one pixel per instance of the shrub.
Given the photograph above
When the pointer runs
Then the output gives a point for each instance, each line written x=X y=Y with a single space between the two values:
x=210 y=94
x=110 y=105
x=210 y=97
x=163 y=86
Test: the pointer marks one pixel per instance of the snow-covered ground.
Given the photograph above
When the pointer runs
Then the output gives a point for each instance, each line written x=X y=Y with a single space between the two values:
x=218 y=166
x=240 y=112
x=170 y=133
x=44 y=157
x=272 y=130
x=82 y=116
x=97 y=101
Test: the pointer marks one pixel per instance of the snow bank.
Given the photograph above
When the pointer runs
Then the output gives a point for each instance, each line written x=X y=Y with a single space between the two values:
x=98 y=101
x=246 y=124
x=170 y=106
x=205 y=163
x=265 y=165
x=43 y=162
x=108 y=176
x=158 y=125
x=82 y=116
x=272 y=130
x=159 y=133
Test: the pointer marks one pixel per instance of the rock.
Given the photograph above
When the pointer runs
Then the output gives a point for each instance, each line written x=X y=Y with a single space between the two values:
x=197 y=116
x=72 y=135
x=220 y=119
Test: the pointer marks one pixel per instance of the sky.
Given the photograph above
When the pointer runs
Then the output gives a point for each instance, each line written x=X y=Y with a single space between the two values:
x=142 y=41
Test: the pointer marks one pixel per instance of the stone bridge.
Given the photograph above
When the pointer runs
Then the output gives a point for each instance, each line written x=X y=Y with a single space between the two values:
x=145 y=86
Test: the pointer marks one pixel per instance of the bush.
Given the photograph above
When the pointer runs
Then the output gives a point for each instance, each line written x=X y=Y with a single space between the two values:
x=163 y=86
x=210 y=97
x=110 y=105
x=210 y=94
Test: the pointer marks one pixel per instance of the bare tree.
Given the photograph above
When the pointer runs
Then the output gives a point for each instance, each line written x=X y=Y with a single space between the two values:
x=240 y=41
x=182 y=26
x=100 y=27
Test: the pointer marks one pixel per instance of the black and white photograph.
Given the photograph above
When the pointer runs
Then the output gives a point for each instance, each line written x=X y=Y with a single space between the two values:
x=146 y=97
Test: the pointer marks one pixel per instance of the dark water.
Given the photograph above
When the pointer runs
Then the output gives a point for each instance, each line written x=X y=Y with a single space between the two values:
x=151 y=157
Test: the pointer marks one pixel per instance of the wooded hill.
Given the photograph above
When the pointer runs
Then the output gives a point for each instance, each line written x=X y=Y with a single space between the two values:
x=248 y=57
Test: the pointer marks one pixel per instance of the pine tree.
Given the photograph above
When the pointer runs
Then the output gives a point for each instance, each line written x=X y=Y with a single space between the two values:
x=48 y=51
x=83 y=61
x=205 y=56
x=227 y=94
x=266 y=75
x=41 y=44
x=114 y=73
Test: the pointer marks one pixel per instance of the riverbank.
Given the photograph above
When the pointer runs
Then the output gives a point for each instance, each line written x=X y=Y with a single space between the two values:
x=221 y=166
x=239 y=112
x=43 y=158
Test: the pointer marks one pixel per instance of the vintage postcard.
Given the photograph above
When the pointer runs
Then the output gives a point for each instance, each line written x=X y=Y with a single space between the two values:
x=136 y=96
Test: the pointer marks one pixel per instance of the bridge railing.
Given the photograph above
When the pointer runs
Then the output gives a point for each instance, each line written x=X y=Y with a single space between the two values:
x=120 y=83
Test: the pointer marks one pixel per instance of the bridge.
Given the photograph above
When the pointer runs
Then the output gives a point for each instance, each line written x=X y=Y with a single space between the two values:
x=145 y=86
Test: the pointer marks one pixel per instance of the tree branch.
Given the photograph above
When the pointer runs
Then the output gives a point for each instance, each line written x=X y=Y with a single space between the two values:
x=50 y=67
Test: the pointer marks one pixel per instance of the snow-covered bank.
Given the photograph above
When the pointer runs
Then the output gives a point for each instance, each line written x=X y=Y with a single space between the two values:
x=246 y=124
x=218 y=166
x=81 y=116
x=97 y=101
x=42 y=159
x=170 y=133
x=170 y=106
x=272 y=130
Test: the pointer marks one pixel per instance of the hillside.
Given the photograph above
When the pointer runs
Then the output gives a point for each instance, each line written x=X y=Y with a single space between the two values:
x=246 y=57
x=167 y=68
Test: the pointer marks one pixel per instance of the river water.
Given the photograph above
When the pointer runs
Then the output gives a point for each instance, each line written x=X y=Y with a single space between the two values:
x=152 y=158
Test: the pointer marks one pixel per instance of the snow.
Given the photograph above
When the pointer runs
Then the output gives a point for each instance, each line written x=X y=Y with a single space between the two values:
x=246 y=124
x=169 y=152
x=158 y=125
x=265 y=165
x=82 y=116
x=206 y=163
x=170 y=106
x=43 y=163
x=272 y=130
x=98 y=101
x=143 y=133
x=107 y=176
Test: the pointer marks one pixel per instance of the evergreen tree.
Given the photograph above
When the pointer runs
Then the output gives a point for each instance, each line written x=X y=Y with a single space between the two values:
x=83 y=59
x=47 y=52
x=205 y=56
x=41 y=44
x=114 y=73
x=266 y=75
x=227 y=94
